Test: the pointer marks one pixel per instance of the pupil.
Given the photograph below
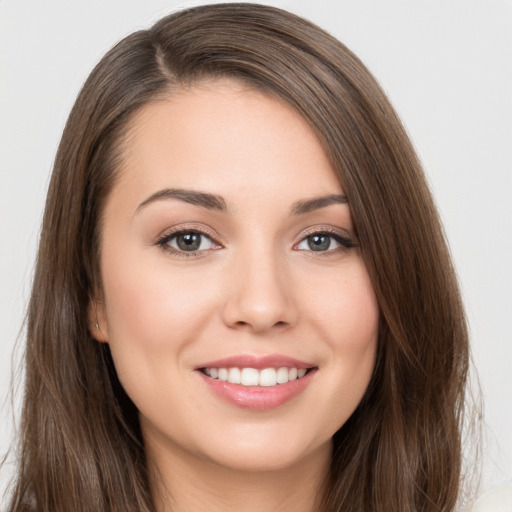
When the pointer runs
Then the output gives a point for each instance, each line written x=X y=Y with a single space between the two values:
x=189 y=241
x=319 y=242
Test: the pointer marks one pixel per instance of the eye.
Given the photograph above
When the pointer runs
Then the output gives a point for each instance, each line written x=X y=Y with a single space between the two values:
x=324 y=242
x=187 y=242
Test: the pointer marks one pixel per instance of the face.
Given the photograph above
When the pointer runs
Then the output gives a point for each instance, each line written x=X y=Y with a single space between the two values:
x=240 y=316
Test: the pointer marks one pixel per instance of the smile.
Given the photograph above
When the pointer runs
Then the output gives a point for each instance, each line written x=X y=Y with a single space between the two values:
x=265 y=377
x=257 y=383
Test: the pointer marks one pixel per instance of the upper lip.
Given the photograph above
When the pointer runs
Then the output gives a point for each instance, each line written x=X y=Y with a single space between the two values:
x=257 y=362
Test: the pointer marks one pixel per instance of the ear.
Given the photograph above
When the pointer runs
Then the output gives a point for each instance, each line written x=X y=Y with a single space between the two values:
x=98 y=326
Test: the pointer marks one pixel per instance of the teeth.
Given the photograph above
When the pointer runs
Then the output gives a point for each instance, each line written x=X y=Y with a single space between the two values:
x=234 y=376
x=282 y=376
x=253 y=377
x=249 y=377
x=268 y=377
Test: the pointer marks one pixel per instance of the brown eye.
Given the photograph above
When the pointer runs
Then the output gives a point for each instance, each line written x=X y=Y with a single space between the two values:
x=188 y=241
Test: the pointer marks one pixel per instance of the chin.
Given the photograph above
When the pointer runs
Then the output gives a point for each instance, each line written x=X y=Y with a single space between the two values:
x=265 y=455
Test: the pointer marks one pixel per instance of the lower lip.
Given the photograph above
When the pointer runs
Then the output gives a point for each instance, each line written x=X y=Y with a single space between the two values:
x=258 y=398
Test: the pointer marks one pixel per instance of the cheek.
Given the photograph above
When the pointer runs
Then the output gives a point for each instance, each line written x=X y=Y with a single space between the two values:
x=146 y=300
x=347 y=316
x=347 y=311
x=153 y=313
x=357 y=321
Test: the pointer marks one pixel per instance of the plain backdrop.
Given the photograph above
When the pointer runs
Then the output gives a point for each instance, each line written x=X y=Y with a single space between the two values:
x=446 y=66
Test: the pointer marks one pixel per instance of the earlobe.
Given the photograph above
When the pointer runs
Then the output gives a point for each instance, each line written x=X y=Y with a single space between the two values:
x=97 y=321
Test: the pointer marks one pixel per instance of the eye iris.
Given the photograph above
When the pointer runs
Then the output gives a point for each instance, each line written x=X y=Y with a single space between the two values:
x=189 y=241
x=319 y=242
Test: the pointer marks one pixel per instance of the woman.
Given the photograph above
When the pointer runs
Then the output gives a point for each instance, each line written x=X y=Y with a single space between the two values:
x=243 y=298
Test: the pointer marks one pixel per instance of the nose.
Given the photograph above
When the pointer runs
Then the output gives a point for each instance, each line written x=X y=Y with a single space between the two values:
x=260 y=296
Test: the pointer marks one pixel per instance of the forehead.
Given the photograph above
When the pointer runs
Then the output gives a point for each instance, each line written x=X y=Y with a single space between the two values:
x=225 y=138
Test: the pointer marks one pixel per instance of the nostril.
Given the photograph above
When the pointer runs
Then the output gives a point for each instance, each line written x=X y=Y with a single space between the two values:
x=241 y=324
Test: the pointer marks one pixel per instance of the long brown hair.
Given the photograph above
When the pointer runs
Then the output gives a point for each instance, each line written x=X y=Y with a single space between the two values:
x=81 y=447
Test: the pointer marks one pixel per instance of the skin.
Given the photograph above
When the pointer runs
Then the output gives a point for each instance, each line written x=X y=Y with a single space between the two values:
x=255 y=288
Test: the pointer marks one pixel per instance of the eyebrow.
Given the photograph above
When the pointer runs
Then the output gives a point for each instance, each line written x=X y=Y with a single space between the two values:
x=218 y=203
x=203 y=199
x=316 y=203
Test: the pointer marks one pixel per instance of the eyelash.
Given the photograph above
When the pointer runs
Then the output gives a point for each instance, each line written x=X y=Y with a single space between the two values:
x=163 y=242
x=345 y=242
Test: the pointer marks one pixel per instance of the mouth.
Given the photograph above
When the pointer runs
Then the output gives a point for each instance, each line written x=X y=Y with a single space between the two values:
x=266 y=377
x=257 y=383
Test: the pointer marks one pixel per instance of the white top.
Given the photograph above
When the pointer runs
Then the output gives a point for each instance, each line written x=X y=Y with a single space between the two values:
x=496 y=500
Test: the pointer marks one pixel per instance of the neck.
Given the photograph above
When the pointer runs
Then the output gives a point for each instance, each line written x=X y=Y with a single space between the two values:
x=182 y=483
